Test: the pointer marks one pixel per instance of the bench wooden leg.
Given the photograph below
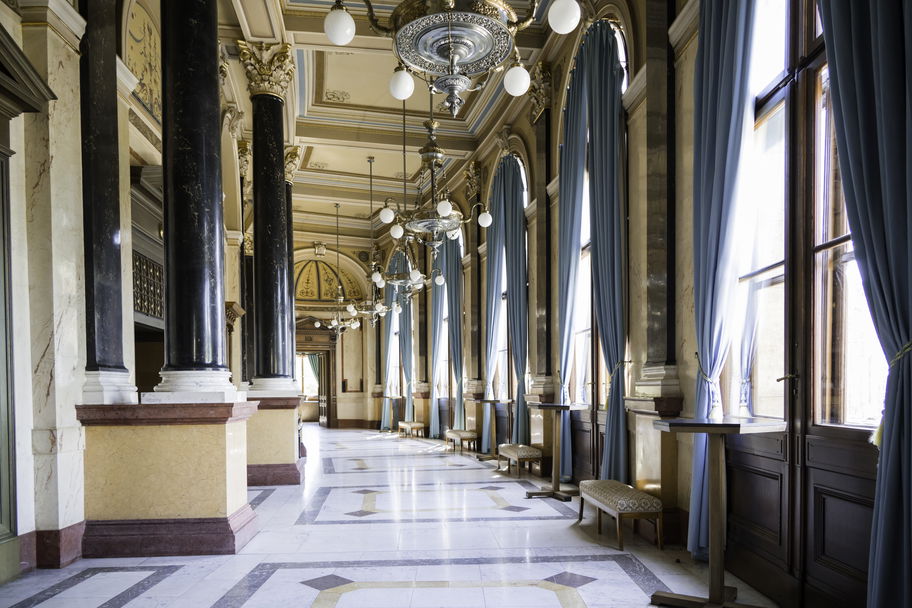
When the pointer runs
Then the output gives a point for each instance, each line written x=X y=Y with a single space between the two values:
x=519 y=468
x=598 y=520
x=617 y=519
x=659 y=531
x=582 y=504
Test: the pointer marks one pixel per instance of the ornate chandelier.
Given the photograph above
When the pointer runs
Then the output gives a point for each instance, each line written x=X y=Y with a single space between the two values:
x=436 y=219
x=448 y=43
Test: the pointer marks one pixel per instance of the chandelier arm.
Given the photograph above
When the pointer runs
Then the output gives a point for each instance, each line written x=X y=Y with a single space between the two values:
x=375 y=24
x=518 y=26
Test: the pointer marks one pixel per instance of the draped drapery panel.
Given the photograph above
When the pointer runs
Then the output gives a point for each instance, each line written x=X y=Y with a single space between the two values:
x=720 y=101
x=438 y=299
x=869 y=51
x=494 y=239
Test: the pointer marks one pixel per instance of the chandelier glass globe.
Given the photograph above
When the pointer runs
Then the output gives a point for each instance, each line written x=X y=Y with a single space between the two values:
x=564 y=16
x=485 y=219
x=439 y=280
x=381 y=283
x=351 y=309
x=415 y=275
x=397 y=231
x=317 y=324
x=401 y=84
x=517 y=80
x=444 y=208
x=387 y=215
x=339 y=26
x=397 y=308
x=375 y=276
x=378 y=306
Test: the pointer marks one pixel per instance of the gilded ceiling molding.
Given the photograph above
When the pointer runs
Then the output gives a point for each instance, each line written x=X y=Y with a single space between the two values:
x=539 y=91
x=336 y=96
x=292 y=160
x=248 y=243
x=269 y=67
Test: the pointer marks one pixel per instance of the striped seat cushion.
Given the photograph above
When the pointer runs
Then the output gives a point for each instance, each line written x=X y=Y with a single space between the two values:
x=619 y=496
x=518 y=451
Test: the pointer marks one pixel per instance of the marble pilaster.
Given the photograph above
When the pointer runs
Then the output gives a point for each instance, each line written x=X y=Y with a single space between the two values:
x=56 y=288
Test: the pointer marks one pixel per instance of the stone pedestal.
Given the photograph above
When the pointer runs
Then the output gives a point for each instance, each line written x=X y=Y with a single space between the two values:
x=167 y=479
x=273 y=443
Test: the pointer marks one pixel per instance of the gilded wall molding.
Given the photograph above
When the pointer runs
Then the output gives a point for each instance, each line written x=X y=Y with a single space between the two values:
x=539 y=91
x=232 y=117
x=472 y=180
x=292 y=161
x=244 y=158
x=269 y=67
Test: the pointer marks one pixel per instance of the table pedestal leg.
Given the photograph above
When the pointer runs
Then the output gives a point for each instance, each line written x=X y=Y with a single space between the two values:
x=555 y=490
x=719 y=594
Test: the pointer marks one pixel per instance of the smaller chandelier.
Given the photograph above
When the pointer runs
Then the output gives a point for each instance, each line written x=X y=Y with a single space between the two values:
x=448 y=43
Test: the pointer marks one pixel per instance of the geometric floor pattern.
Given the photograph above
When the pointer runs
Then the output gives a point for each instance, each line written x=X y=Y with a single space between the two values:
x=387 y=522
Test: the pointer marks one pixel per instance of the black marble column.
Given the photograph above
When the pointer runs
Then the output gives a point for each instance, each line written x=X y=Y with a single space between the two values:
x=101 y=187
x=290 y=320
x=274 y=309
x=194 y=226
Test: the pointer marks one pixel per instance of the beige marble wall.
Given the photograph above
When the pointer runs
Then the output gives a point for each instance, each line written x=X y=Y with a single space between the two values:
x=636 y=231
x=272 y=437
x=161 y=472
x=53 y=177
x=685 y=328
x=21 y=338
x=233 y=241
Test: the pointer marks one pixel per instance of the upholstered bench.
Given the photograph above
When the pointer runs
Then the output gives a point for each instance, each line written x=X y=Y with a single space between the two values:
x=622 y=502
x=410 y=428
x=519 y=453
x=464 y=437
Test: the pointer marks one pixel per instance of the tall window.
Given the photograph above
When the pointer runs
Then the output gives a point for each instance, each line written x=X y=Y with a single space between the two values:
x=849 y=370
x=443 y=359
x=310 y=383
x=581 y=371
x=394 y=383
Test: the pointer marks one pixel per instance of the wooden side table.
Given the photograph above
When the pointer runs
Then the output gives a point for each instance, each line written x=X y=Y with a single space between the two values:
x=719 y=594
x=557 y=426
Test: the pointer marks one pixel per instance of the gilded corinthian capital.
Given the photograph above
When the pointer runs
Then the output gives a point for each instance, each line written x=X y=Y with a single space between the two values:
x=269 y=67
x=292 y=160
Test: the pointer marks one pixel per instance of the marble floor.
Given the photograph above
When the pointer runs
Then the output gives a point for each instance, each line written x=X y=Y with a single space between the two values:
x=382 y=521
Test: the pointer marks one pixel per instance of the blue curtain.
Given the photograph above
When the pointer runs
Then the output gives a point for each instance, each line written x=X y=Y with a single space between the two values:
x=720 y=98
x=517 y=292
x=438 y=298
x=608 y=225
x=570 y=205
x=405 y=351
x=493 y=302
x=748 y=349
x=389 y=295
x=451 y=252
x=869 y=49
x=314 y=361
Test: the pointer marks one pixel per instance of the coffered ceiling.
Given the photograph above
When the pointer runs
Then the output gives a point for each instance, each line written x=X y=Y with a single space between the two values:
x=341 y=110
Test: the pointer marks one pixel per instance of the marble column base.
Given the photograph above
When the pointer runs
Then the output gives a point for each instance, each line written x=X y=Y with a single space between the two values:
x=273 y=443
x=166 y=479
x=194 y=386
x=261 y=388
x=108 y=387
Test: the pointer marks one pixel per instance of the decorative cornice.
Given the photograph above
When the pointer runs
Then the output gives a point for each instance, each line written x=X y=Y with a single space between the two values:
x=685 y=25
x=636 y=91
x=269 y=67
x=539 y=91
x=248 y=243
x=292 y=160
x=58 y=14
x=503 y=140
x=126 y=80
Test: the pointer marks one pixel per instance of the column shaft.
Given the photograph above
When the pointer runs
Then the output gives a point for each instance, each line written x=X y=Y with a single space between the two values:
x=101 y=187
x=274 y=310
x=194 y=243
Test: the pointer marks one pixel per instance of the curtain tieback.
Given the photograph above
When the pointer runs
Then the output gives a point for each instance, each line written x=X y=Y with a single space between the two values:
x=701 y=371
x=905 y=350
x=618 y=366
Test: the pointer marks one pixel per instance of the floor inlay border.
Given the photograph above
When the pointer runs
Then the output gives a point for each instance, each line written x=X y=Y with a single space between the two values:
x=158 y=574
x=238 y=595
x=310 y=513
